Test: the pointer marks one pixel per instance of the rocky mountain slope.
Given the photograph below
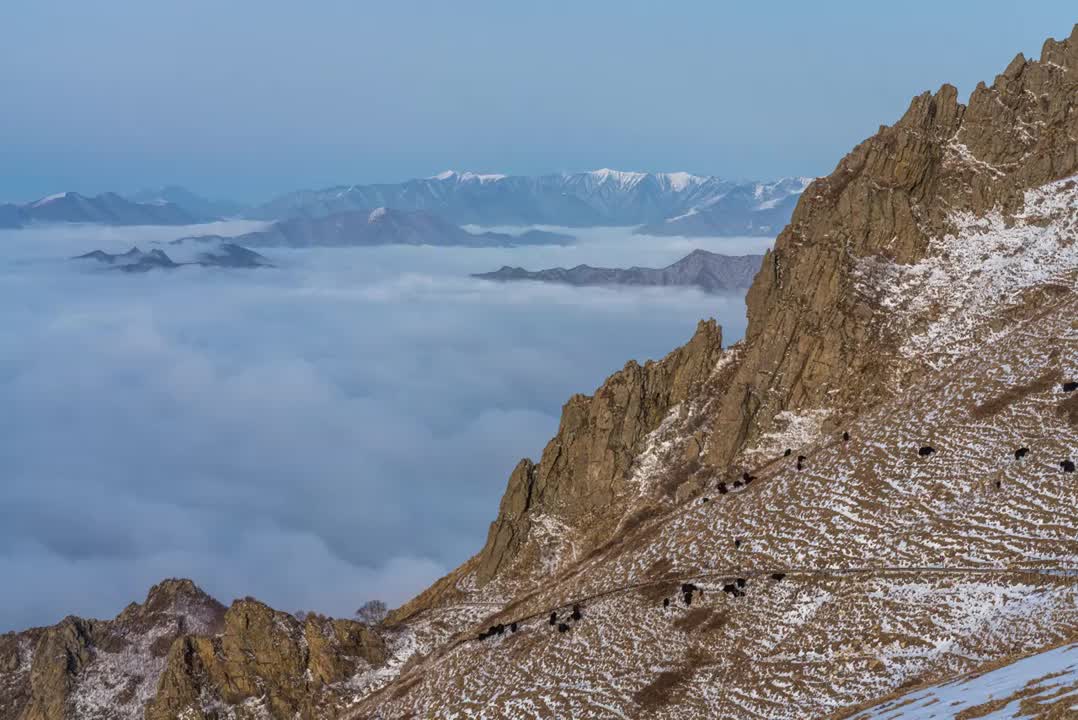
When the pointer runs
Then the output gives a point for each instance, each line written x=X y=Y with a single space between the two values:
x=599 y=197
x=384 y=226
x=104 y=209
x=708 y=271
x=872 y=492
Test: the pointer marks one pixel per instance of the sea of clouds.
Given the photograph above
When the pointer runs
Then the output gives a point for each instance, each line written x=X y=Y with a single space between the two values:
x=334 y=429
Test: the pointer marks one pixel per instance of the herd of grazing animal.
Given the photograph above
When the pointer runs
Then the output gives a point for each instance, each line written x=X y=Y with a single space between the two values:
x=737 y=587
x=1066 y=465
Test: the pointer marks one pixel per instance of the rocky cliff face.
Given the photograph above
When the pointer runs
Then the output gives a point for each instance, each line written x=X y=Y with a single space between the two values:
x=816 y=340
x=556 y=510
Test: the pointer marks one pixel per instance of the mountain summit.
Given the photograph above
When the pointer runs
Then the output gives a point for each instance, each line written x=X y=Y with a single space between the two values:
x=870 y=495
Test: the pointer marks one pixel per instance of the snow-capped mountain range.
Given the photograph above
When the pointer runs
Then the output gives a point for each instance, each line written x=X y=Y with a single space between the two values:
x=666 y=203
x=103 y=209
x=674 y=203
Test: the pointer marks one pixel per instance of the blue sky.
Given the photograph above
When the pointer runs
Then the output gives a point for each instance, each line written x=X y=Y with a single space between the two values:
x=247 y=99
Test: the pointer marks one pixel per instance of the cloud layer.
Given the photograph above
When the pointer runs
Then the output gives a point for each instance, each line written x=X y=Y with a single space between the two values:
x=335 y=429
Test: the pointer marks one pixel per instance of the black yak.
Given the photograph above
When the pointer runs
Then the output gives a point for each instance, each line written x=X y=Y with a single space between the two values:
x=666 y=602
x=1067 y=465
x=730 y=589
x=1021 y=453
x=787 y=453
x=1070 y=386
x=800 y=460
x=737 y=543
x=926 y=450
x=576 y=613
x=722 y=489
x=513 y=627
x=777 y=576
x=553 y=618
x=999 y=484
x=845 y=436
x=562 y=627
x=706 y=499
x=741 y=582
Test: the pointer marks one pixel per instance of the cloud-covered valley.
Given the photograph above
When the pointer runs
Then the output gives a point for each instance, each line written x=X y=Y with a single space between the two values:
x=334 y=429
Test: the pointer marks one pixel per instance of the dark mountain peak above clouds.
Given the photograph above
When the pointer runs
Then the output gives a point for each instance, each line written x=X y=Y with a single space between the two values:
x=708 y=271
x=210 y=251
x=597 y=197
x=103 y=209
x=387 y=226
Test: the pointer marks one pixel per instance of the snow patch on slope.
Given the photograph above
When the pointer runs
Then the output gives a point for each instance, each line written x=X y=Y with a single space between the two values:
x=984 y=265
x=792 y=430
x=1036 y=680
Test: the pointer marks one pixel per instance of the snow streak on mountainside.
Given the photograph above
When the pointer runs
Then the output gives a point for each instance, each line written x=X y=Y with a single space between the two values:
x=664 y=201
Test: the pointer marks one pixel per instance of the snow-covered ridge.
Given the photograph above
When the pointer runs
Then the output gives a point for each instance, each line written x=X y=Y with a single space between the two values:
x=49 y=199
x=669 y=202
x=467 y=176
x=1044 y=680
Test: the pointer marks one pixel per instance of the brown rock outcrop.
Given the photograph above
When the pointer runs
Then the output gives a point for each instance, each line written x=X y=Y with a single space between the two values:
x=279 y=664
x=100 y=668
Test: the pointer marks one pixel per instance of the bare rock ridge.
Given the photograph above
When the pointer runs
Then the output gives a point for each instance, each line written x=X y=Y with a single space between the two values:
x=577 y=489
x=711 y=272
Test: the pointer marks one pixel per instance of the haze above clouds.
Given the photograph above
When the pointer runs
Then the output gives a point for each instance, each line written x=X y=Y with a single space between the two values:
x=250 y=98
x=338 y=428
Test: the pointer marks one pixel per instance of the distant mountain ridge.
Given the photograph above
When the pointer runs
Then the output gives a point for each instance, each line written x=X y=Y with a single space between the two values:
x=595 y=198
x=192 y=203
x=745 y=210
x=104 y=209
x=383 y=226
x=204 y=252
x=711 y=272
